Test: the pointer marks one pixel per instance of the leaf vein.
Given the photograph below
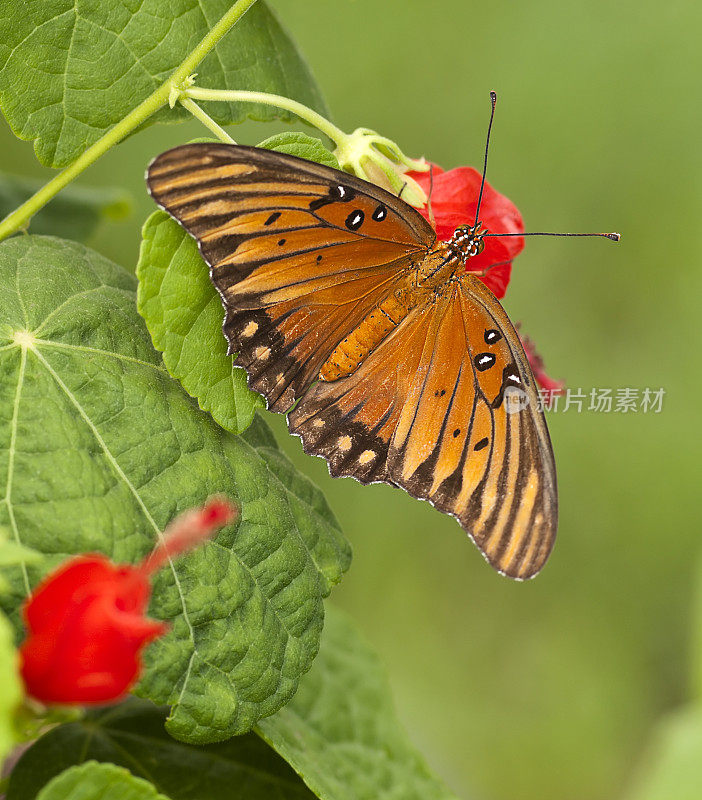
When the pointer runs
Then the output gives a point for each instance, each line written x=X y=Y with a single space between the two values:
x=121 y=474
x=11 y=463
x=67 y=301
x=99 y=351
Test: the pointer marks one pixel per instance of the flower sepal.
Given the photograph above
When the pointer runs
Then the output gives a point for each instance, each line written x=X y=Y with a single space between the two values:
x=379 y=160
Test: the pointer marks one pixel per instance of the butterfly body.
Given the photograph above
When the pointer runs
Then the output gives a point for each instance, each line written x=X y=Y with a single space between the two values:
x=392 y=361
x=440 y=265
x=369 y=333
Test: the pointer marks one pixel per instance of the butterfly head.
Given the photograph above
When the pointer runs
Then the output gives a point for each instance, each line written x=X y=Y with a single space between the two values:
x=468 y=240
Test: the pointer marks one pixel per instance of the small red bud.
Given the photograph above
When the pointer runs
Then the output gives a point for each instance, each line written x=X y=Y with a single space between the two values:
x=190 y=529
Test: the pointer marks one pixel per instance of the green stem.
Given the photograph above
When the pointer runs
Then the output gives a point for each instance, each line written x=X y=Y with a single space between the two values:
x=206 y=120
x=21 y=216
x=241 y=96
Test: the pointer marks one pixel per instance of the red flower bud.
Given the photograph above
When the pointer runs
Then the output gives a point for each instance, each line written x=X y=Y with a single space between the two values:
x=87 y=627
x=87 y=620
x=454 y=200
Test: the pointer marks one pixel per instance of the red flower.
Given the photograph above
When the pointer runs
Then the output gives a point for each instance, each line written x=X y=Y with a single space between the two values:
x=87 y=620
x=454 y=200
x=87 y=627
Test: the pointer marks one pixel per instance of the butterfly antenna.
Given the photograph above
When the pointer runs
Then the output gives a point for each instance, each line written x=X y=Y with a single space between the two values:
x=431 y=189
x=614 y=237
x=493 y=100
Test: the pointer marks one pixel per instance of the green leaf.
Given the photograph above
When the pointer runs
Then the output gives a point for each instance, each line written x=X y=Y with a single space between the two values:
x=183 y=311
x=10 y=687
x=309 y=509
x=132 y=735
x=184 y=315
x=93 y=781
x=341 y=732
x=69 y=72
x=74 y=214
x=672 y=767
x=99 y=449
x=301 y=145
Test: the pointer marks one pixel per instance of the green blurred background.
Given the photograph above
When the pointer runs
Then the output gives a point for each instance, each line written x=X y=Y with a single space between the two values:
x=553 y=688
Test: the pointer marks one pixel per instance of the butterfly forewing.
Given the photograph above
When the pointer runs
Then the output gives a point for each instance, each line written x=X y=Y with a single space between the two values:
x=301 y=255
x=299 y=252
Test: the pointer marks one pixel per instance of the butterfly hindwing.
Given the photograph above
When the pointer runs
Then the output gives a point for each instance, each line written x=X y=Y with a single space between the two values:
x=473 y=440
x=426 y=411
x=351 y=421
x=299 y=252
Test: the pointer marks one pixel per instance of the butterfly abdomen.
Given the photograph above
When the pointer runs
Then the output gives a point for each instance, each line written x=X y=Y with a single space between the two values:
x=353 y=350
x=434 y=271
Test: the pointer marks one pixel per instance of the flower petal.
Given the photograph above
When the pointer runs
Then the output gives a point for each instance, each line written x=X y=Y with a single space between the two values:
x=454 y=201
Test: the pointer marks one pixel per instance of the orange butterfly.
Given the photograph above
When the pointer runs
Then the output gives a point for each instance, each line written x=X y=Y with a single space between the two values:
x=338 y=296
